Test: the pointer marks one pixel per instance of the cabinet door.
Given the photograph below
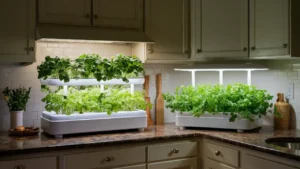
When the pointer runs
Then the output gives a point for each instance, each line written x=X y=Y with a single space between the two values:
x=190 y=163
x=133 y=167
x=269 y=28
x=168 y=26
x=252 y=162
x=118 y=13
x=221 y=28
x=211 y=164
x=68 y=12
x=17 y=31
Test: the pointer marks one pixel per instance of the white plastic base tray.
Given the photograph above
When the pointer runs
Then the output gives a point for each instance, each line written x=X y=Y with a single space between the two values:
x=215 y=122
x=59 y=125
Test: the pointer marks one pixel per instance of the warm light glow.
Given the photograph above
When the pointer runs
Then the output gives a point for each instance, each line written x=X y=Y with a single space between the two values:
x=222 y=69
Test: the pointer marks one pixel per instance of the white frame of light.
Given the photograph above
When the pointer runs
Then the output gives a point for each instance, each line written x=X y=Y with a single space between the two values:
x=221 y=73
x=91 y=82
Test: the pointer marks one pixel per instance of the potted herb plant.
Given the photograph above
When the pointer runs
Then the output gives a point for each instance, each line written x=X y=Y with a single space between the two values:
x=16 y=101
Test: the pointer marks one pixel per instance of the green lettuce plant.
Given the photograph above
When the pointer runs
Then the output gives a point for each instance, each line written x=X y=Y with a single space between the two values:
x=91 y=66
x=91 y=99
x=237 y=100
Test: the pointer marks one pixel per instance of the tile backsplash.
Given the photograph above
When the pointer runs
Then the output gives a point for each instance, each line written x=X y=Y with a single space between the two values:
x=275 y=80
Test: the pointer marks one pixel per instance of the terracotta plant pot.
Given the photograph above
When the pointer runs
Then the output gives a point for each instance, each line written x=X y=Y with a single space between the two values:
x=16 y=119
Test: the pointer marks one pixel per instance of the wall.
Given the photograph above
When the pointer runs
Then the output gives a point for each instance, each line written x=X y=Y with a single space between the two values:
x=274 y=81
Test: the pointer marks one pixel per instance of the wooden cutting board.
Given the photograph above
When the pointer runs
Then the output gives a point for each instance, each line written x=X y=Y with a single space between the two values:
x=147 y=98
x=159 y=107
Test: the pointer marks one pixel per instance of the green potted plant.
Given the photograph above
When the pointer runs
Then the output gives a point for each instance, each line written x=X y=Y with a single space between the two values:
x=16 y=101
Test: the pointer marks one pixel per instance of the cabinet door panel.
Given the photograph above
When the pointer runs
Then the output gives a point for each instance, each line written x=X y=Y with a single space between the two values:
x=252 y=162
x=168 y=26
x=269 y=28
x=17 y=33
x=133 y=167
x=68 y=12
x=118 y=13
x=211 y=164
x=221 y=28
x=190 y=163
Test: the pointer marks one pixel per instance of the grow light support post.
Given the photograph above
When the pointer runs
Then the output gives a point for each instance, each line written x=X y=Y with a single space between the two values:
x=193 y=78
x=249 y=77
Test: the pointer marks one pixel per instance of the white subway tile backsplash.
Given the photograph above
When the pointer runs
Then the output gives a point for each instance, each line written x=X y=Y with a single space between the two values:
x=14 y=76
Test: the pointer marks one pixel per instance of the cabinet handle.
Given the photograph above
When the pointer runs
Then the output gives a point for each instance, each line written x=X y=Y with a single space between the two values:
x=217 y=153
x=20 y=167
x=31 y=49
x=245 y=49
x=87 y=16
x=108 y=159
x=175 y=151
x=150 y=51
x=285 y=45
x=253 y=48
x=95 y=17
x=199 y=50
x=186 y=52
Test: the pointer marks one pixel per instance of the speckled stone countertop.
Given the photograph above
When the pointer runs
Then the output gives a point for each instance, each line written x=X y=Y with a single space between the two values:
x=254 y=140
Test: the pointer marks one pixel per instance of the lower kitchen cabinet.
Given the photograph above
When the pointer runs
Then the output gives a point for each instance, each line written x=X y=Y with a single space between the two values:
x=133 y=167
x=211 y=164
x=253 y=162
x=189 y=163
x=35 y=163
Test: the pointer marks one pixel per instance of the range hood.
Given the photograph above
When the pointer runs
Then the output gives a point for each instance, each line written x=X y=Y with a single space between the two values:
x=89 y=34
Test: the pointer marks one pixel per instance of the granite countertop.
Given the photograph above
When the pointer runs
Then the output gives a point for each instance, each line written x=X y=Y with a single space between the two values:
x=254 y=140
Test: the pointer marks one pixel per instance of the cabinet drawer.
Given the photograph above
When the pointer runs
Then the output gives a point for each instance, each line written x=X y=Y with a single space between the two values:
x=36 y=163
x=211 y=164
x=188 y=163
x=222 y=154
x=252 y=162
x=106 y=158
x=171 y=151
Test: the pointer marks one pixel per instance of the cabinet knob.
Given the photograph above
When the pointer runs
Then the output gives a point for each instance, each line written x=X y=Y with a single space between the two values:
x=150 y=51
x=95 y=17
x=199 y=50
x=19 y=167
x=31 y=49
x=245 y=49
x=186 y=52
x=108 y=159
x=87 y=16
x=217 y=153
x=253 y=48
x=285 y=45
x=175 y=151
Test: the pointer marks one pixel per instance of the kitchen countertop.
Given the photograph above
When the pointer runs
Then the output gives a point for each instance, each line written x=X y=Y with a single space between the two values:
x=254 y=140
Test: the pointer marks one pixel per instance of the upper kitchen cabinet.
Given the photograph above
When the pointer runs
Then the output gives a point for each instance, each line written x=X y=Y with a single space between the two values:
x=119 y=13
x=67 y=12
x=17 y=31
x=269 y=28
x=220 y=28
x=167 y=24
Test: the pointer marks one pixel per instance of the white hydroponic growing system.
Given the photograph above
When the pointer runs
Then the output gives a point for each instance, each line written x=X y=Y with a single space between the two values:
x=60 y=124
x=207 y=120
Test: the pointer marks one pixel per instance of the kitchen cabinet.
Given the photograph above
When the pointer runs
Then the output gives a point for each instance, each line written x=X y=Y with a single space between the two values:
x=35 y=163
x=269 y=28
x=17 y=33
x=211 y=164
x=119 y=13
x=167 y=24
x=190 y=163
x=220 y=28
x=253 y=162
x=67 y=12
x=133 y=167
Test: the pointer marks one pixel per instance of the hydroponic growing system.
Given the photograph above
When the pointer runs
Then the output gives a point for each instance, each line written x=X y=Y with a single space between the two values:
x=59 y=124
x=207 y=120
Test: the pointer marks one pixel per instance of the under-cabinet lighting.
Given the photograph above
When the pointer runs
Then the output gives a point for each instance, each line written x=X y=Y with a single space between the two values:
x=227 y=69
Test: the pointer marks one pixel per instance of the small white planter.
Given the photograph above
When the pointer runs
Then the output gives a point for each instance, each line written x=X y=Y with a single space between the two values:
x=59 y=125
x=216 y=122
x=16 y=119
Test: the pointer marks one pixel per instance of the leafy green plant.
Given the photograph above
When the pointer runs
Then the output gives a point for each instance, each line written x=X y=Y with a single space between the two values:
x=236 y=100
x=91 y=99
x=16 y=98
x=91 y=66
